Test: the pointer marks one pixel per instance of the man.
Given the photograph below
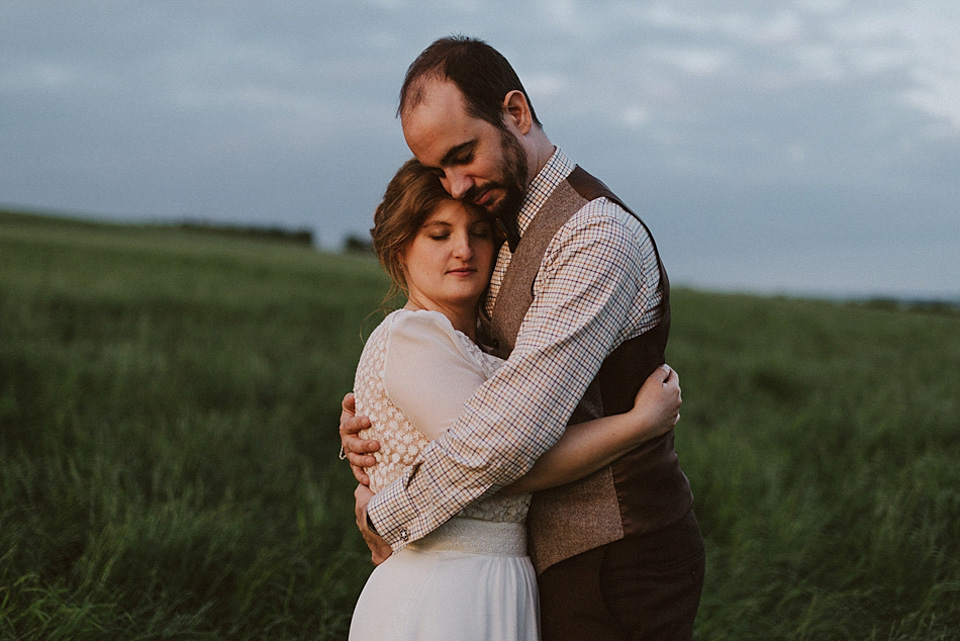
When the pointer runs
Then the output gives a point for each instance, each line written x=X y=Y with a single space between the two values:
x=579 y=306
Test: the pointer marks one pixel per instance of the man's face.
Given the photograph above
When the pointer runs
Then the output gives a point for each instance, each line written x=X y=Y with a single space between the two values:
x=474 y=160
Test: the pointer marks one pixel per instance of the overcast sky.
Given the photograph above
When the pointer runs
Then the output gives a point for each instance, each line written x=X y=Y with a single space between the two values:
x=806 y=147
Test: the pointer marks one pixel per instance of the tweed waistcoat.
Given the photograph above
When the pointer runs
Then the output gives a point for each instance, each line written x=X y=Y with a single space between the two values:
x=644 y=490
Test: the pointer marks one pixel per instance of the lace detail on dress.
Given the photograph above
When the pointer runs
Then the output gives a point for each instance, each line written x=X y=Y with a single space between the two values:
x=401 y=442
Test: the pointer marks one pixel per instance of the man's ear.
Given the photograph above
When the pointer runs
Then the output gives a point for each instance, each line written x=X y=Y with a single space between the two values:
x=516 y=110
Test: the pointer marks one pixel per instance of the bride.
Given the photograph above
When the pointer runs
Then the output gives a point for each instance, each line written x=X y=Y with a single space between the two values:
x=471 y=578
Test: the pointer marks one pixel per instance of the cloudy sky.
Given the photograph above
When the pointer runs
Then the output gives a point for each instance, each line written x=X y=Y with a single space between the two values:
x=799 y=147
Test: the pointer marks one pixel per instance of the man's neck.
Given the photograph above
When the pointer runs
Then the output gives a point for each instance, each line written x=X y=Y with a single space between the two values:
x=538 y=154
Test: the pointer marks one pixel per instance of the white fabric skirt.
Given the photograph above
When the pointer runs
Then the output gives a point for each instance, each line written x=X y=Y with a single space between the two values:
x=468 y=580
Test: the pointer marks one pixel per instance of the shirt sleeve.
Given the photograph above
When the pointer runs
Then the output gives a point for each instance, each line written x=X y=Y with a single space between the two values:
x=428 y=373
x=589 y=283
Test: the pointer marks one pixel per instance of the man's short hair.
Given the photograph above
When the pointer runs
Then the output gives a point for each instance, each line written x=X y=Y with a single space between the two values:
x=482 y=74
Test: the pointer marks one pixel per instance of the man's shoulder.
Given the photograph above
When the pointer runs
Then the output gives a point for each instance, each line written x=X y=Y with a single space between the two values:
x=607 y=219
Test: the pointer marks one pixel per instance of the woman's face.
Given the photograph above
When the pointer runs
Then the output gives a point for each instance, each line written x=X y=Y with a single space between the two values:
x=448 y=262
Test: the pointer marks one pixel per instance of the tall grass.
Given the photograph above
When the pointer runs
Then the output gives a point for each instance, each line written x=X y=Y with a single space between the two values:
x=822 y=442
x=168 y=406
x=168 y=411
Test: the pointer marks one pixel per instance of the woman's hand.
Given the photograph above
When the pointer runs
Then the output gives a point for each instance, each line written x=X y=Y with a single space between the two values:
x=379 y=549
x=656 y=409
x=358 y=451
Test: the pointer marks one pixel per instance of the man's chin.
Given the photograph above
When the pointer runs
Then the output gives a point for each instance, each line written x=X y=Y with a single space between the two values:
x=494 y=208
x=506 y=206
x=499 y=200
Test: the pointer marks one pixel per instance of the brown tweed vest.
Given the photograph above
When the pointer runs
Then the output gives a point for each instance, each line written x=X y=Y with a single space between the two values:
x=641 y=492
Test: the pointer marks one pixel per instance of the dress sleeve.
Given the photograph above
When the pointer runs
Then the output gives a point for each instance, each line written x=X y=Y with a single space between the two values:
x=428 y=373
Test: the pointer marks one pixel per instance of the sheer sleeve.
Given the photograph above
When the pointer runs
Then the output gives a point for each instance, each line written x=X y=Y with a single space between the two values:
x=430 y=371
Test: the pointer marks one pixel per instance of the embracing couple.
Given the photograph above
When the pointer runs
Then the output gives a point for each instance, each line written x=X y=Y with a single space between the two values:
x=512 y=424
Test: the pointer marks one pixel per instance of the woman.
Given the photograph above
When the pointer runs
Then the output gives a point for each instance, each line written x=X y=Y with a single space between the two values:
x=470 y=578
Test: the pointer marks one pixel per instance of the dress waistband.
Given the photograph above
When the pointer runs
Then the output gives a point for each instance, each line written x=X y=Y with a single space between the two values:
x=474 y=536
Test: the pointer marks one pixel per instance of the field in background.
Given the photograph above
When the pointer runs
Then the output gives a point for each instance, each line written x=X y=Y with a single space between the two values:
x=168 y=405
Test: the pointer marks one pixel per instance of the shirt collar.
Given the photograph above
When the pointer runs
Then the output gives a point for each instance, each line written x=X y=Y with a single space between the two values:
x=556 y=170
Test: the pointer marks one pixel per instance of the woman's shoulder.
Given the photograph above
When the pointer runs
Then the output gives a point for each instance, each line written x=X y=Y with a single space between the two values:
x=433 y=332
x=409 y=320
x=419 y=322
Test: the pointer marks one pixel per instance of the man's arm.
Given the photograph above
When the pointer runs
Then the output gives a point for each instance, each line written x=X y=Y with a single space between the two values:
x=589 y=284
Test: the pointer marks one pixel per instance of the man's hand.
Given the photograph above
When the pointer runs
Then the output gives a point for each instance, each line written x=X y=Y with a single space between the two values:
x=379 y=549
x=358 y=451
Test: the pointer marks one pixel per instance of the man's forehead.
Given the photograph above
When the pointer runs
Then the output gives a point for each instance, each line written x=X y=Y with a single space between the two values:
x=430 y=90
x=438 y=124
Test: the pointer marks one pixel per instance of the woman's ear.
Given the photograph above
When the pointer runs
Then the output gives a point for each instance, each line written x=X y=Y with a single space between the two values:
x=516 y=110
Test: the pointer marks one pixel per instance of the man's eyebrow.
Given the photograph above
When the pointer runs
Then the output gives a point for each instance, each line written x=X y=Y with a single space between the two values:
x=453 y=152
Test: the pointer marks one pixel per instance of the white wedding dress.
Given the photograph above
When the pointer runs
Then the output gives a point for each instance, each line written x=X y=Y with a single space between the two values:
x=470 y=579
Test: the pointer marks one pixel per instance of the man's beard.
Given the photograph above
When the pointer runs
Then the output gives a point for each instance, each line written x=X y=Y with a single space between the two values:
x=513 y=180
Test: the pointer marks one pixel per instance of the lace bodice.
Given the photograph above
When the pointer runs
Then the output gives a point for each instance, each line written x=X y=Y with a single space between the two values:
x=416 y=369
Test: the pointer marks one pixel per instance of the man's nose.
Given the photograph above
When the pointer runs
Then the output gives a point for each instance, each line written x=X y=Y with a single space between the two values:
x=458 y=183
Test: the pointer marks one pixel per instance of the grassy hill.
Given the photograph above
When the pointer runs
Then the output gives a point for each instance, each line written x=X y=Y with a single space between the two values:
x=168 y=411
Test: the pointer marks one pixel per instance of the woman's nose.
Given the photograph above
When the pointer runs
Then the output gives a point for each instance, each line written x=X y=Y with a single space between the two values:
x=463 y=248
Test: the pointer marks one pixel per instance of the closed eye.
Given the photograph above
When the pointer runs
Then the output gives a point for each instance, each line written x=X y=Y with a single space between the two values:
x=462 y=159
x=459 y=155
x=482 y=230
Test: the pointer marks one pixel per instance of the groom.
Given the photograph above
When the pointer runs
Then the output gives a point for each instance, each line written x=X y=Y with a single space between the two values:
x=579 y=307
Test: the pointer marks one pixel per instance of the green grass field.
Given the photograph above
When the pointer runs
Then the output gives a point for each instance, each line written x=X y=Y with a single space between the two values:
x=168 y=469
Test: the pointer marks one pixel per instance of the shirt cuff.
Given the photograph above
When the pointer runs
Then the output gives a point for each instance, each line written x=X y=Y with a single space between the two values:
x=392 y=515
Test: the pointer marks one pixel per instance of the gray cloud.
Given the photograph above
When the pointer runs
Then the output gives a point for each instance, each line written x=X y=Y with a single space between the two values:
x=810 y=146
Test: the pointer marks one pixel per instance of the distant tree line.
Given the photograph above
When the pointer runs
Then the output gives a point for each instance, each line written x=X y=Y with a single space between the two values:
x=298 y=236
x=357 y=245
x=937 y=307
x=353 y=244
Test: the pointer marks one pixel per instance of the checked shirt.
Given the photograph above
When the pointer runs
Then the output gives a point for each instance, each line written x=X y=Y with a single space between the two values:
x=596 y=288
